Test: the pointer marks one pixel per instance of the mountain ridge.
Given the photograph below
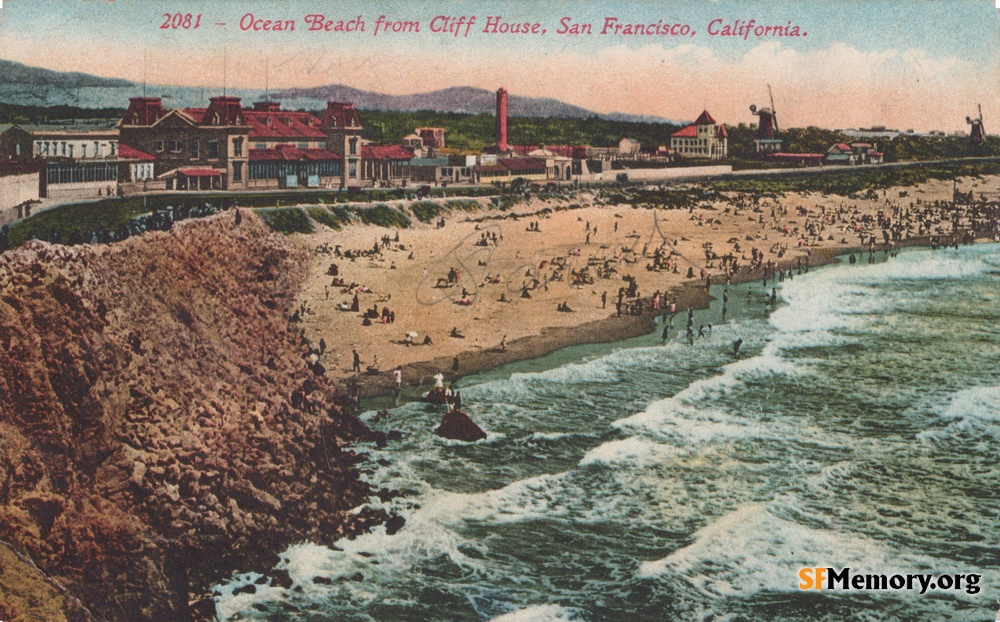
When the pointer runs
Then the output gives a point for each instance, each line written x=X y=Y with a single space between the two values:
x=36 y=86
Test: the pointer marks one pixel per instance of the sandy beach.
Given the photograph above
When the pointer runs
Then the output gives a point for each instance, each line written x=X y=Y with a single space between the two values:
x=585 y=247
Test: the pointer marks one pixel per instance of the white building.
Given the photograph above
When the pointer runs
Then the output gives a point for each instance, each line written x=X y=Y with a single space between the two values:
x=75 y=145
x=705 y=138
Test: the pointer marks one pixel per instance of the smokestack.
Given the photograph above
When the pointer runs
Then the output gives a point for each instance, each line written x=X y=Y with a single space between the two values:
x=502 y=120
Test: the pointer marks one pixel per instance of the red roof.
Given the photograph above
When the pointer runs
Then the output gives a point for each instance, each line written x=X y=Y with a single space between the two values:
x=491 y=168
x=704 y=119
x=515 y=165
x=196 y=113
x=781 y=155
x=842 y=146
x=224 y=111
x=288 y=153
x=385 y=152
x=722 y=132
x=340 y=114
x=127 y=152
x=143 y=111
x=690 y=131
x=199 y=172
x=279 y=124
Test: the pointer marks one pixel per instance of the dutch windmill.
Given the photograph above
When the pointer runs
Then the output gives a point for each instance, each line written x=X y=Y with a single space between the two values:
x=767 y=126
x=977 y=134
x=766 y=140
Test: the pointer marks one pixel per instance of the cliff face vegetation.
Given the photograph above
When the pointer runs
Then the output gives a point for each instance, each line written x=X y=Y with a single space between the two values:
x=159 y=425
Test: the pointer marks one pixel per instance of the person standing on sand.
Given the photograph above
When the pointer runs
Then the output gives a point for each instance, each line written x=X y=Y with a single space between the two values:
x=454 y=365
x=604 y=300
x=503 y=344
x=439 y=380
x=398 y=377
x=357 y=361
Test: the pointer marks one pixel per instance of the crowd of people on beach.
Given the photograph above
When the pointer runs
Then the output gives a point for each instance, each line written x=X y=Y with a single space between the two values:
x=777 y=245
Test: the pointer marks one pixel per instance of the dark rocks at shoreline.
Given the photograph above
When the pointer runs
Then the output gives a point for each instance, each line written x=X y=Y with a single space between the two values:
x=458 y=426
x=161 y=429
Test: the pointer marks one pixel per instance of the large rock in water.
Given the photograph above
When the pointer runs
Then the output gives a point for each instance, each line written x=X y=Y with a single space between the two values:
x=457 y=426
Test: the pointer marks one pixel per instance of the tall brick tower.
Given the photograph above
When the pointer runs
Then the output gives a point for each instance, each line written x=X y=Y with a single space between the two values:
x=343 y=131
x=501 y=120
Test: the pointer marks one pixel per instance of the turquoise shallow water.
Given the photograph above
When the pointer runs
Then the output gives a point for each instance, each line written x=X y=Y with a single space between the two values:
x=635 y=481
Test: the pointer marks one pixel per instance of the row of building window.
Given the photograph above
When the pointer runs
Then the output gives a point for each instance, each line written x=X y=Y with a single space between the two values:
x=80 y=172
x=142 y=172
x=297 y=146
x=280 y=170
x=177 y=146
x=64 y=148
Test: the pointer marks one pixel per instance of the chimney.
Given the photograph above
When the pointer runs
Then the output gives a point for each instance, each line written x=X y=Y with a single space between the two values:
x=502 y=120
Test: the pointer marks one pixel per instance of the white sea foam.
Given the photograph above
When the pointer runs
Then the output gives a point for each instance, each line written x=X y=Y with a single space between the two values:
x=430 y=532
x=924 y=265
x=821 y=304
x=230 y=606
x=539 y=613
x=689 y=410
x=751 y=550
x=631 y=451
x=982 y=403
x=971 y=411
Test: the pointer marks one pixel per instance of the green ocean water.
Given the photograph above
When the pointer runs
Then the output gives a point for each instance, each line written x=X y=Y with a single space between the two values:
x=859 y=427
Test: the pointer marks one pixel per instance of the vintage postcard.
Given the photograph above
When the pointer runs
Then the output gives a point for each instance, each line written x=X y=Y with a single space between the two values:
x=591 y=310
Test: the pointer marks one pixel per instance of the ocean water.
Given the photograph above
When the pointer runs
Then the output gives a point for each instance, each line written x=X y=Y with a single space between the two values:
x=860 y=427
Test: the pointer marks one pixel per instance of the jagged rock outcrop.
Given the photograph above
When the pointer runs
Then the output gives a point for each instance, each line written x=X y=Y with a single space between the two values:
x=458 y=426
x=160 y=425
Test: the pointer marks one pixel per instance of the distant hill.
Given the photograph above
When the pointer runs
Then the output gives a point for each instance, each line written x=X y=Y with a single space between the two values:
x=461 y=99
x=34 y=86
x=17 y=73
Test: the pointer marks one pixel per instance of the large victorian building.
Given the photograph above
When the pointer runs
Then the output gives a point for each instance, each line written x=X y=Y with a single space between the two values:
x=228 y=147
x=195 y=148
x=705 y=138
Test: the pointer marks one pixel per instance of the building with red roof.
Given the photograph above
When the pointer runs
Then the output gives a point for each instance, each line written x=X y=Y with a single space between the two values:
x=705 y=138
x=288 y=166
x=385 y=164
x=195 y=148
x=134 y=166
x=210 y=148
x=840 y=153
x=271 y=126
x=506 y=169
x=432 y=137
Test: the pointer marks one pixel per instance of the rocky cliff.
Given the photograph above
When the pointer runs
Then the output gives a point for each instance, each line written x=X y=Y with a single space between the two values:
x=160 y=427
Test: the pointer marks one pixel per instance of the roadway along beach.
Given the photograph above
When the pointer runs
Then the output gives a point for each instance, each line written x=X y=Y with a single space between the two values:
x=408 y=276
